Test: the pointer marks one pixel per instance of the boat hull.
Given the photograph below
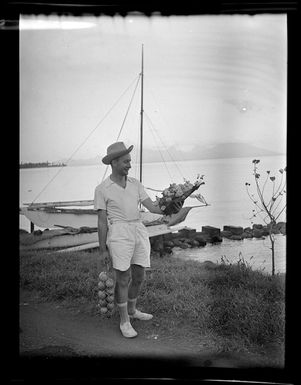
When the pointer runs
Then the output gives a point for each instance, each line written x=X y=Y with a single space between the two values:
x=77 y=218
x=80 y=240
x=47 y=219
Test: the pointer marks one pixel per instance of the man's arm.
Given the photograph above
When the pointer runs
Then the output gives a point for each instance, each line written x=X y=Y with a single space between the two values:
x=156 y=209
x=151 y=207
x=102 y=226
x=102 y=229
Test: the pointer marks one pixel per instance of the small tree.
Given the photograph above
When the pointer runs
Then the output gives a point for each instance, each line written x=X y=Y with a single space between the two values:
x=268 y=209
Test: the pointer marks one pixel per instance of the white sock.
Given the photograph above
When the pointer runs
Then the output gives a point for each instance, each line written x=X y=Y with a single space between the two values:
x=132 y=305
x=123 y=312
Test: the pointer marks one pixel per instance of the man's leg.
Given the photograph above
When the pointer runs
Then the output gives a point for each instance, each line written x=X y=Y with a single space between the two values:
x=121 y=293
x=138 y=274
x=137 y=278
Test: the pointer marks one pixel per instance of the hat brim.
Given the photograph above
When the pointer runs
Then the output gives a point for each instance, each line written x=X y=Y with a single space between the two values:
x=108 y=158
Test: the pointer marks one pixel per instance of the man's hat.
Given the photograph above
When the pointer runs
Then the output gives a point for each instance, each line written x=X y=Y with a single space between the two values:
x=116 y=150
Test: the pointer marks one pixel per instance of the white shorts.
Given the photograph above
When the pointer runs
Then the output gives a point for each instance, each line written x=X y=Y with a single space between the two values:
x=128 y=243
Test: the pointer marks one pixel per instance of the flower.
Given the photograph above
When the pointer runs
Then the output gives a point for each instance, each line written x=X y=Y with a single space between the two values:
x=175 y=192
x=272 y=178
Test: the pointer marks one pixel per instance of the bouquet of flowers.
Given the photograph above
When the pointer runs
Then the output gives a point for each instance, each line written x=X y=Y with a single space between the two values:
x=177 y=193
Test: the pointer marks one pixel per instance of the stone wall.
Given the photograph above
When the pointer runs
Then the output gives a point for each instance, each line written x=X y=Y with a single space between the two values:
x=190 y=238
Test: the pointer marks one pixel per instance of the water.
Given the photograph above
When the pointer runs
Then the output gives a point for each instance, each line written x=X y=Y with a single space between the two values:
x=224 y=190
x=255 y=252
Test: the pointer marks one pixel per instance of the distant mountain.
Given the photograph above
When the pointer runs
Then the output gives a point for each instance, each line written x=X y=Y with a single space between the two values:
x=219 y=150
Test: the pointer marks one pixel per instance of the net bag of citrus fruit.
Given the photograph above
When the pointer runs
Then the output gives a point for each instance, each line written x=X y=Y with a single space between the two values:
x=177 y=193
x=105 y=293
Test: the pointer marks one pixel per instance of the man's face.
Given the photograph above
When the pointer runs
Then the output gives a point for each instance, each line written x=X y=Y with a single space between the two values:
x=122 y=164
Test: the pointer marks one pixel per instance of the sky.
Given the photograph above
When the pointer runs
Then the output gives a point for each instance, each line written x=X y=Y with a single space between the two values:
x=207 y=79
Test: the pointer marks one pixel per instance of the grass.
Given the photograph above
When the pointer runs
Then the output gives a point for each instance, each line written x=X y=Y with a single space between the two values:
x=248 y=304
x=237 y=307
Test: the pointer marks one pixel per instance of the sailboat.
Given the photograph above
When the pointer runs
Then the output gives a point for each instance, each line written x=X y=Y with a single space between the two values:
x=75 y=222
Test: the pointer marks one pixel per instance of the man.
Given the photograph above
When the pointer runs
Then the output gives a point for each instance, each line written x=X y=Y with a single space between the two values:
x=123 y=239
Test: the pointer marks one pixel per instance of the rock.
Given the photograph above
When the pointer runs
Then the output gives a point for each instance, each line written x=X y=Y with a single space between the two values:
x=201 y=240
x=275 y=228
x=168 y=237
x=275 y=231
x=235 y=237
x=281 y=226
x=226 y=234
x=195 y=243
x=187 y=233
x=211 y=231
x=157 y=243
x=216 y=239
x=247 y=230
x=257 y=226
x=184 y=245
x=266 y=231
x=257 y=233
x=168 y=244
x=247 y=234
x=177 y=243
x=236 y=230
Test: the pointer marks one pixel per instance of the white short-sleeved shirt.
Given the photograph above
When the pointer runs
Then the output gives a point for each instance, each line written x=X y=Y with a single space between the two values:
x=120 y=203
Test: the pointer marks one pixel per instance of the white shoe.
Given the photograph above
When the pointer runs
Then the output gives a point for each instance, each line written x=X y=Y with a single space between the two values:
x=142 y=316
x=127 y=330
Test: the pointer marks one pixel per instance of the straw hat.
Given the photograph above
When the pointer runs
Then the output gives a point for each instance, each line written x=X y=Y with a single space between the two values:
x=116 y=150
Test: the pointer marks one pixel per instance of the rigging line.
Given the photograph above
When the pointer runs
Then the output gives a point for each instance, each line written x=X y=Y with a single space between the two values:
x=180 y=172
x=137 y=156
x=166 y=149
x=126 y=114
x=159 y=149
x=85 y=140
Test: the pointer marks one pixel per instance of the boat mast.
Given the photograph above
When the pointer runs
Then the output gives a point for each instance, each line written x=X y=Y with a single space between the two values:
x=141 y=117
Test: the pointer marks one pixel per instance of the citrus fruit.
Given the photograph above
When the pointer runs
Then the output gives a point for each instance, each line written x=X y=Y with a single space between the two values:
x=101 y=285
x=101 y=294
x=102 y=302
x=109 y=283
x=103 y=310
x=110 y=298
x=103 y=276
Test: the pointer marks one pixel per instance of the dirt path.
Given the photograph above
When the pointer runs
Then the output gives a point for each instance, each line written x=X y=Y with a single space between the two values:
x=53 y=330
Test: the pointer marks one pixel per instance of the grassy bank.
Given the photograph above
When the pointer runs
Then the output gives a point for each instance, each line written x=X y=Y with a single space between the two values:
x=232 y=305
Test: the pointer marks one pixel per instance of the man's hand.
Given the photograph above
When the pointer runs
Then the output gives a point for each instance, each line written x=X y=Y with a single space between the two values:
x=106 y=260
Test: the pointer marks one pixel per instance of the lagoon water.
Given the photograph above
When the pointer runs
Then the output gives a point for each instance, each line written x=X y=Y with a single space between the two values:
x=224 y=190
